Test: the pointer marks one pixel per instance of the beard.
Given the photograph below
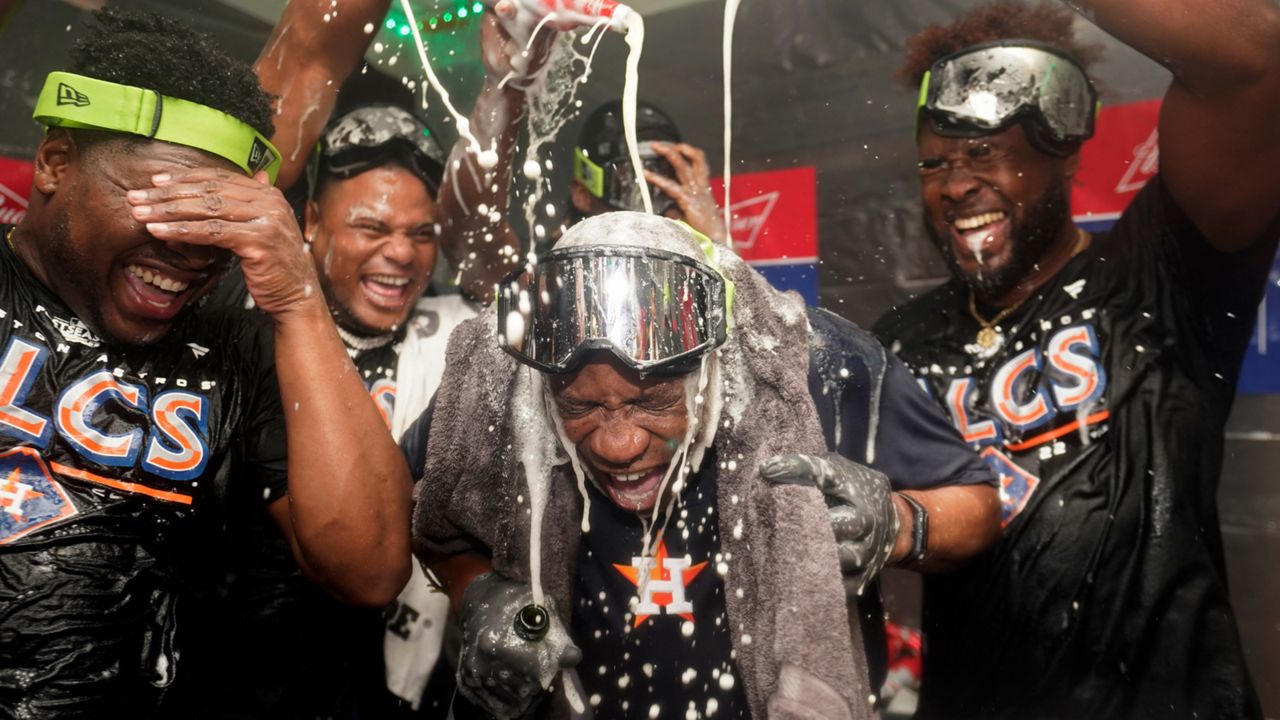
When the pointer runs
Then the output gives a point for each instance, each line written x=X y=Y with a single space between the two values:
x=1030 y=237
x=72 y=265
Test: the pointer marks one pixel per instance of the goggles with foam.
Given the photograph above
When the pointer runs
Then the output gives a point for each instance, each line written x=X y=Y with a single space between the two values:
x=83 y=103
x=615 y=181
x=374 y=135
x=657 y=311
x=986 y=88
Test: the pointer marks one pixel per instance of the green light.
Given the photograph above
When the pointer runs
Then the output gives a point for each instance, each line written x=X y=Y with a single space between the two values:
x=405 y=30
x=391 y=24
x=426 y=132
x=433 y=22
x=477 y=8
x=448 y=17
x=462 y=12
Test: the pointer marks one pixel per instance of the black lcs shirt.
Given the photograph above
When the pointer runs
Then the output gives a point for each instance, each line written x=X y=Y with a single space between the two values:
x=117 y=465
x=1102 y=413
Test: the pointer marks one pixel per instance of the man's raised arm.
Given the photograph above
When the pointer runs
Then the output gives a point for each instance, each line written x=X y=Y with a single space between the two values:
x=313 y=48
x=1219 y=137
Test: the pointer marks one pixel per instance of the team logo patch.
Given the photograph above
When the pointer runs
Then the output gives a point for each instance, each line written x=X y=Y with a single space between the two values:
x=29 y=496
x=1016 y=485
x=75 y=331
x=661 y=581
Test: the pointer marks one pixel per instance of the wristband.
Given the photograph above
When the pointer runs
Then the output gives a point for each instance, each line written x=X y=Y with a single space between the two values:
x=919 y=529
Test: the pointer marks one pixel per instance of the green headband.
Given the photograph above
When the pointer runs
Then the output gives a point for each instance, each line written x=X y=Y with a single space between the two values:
x=588 y=173
x=84 y=103
x=713 y=259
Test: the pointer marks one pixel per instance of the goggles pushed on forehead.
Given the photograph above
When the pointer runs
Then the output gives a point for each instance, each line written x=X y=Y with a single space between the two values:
x=986 y=88
x=84 y=103
x=615 y=182
x=656 y=311
x=372 y=136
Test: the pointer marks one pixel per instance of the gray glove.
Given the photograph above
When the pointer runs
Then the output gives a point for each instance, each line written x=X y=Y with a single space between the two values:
x=860 y=505
x=499 y=671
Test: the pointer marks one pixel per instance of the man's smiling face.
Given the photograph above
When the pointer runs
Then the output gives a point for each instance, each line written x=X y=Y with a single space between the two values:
x=992 y=204
x=374 y=241
x=96 y=257
x=626 y=428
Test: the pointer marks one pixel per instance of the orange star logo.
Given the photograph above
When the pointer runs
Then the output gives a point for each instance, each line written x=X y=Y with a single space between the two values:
x=16 y=493
x=664 y=588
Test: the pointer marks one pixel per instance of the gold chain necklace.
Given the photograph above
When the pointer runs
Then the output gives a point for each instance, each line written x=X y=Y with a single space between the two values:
x=8 y=238
x=989 y=338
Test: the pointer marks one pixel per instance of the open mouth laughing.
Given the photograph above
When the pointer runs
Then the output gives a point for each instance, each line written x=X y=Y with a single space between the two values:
x=386 y=291
x=980 y=234
x=159 y=293
x=633 y=490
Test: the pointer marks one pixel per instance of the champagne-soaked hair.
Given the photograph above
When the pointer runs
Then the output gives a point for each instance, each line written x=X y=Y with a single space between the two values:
x=162 y=54
x=1003 y=19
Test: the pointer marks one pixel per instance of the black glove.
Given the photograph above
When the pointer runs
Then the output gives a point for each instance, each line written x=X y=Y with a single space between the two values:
x=860 y=505
x=499 y=671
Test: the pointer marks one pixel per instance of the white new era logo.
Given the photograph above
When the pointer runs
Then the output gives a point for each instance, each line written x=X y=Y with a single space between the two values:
x=198 y=350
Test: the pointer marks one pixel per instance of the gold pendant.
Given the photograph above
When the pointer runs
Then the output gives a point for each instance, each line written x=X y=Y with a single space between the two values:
x=988 y=338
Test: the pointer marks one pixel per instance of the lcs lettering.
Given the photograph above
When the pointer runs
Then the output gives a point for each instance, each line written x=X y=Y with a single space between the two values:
x=19 y=368
x=175 y=446
x=1032 y=388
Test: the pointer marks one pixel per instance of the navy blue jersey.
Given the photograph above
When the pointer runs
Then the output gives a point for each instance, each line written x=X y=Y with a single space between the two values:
x=117 y=468
x=672 y=649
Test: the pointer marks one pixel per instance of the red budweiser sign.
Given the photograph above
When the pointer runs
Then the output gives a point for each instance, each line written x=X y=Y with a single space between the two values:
x=15 y=185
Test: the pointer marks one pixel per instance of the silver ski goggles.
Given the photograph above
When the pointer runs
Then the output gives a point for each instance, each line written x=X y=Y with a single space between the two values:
x=986 y=88
x=615 y=182
x=658 y=312
x=375 y=135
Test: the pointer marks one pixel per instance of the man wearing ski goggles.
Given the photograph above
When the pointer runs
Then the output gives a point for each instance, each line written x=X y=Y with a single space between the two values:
x=1092 y=368
x=658 y=376
x=375 y=135
x=604 y=179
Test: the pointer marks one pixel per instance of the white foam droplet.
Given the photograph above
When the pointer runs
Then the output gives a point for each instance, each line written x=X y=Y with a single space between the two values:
x=726 y=682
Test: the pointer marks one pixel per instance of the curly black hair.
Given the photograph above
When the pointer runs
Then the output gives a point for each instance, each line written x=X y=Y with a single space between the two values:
x=162 y=54
x=997 y=20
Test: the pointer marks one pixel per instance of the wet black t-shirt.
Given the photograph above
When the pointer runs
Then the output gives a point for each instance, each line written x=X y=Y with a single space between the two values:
x=276 y=645
x=665 y=651
x=1102 y=412
x=117 y=468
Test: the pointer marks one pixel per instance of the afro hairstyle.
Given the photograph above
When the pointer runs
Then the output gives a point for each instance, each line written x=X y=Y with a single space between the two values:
x=998 y=20
x=158 y=53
